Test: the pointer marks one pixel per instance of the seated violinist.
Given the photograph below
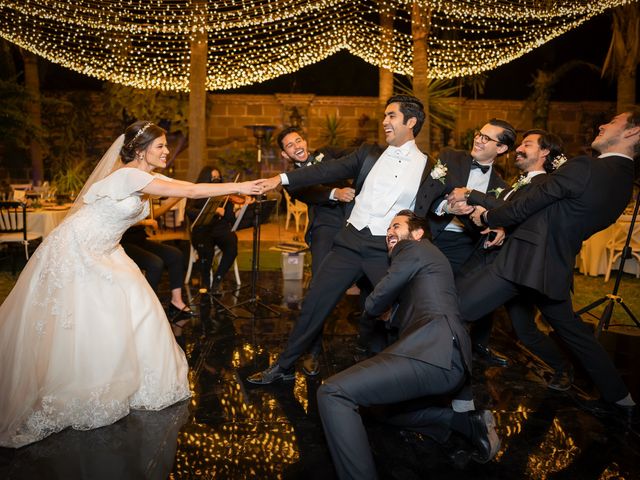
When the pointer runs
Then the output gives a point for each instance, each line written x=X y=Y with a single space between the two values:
x=153 y=257
x=217 y=233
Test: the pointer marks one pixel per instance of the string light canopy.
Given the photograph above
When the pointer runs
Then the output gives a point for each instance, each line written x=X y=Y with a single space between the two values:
x=146 y=43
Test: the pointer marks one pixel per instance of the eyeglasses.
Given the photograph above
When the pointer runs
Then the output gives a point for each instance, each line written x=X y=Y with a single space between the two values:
x=484 y=139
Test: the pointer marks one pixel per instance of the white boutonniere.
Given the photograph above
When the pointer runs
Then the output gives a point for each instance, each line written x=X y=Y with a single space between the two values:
x=496 y=191
x=439 y=171
x=317 y=159
x=558 y=161
x=521 y=182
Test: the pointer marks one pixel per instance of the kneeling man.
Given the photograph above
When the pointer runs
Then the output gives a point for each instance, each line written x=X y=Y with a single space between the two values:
x=432 y=356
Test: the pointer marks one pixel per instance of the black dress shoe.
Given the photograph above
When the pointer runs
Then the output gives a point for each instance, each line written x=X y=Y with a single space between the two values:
x=562 y=379
x=483 y=436
x=628 y=415
x=490 y=356
x=271 y=374
x=311 y=365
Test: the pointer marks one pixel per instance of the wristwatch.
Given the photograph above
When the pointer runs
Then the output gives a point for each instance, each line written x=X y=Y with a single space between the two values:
x=467 y=193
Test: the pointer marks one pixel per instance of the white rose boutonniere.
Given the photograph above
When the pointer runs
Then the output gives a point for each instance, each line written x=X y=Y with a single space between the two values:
x=439 y=171
x=558 y=161
x=317 y=159
x=496 y=191
x=521 y=182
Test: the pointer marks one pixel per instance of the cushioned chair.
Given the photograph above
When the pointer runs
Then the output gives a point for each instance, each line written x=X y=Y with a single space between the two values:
x=295 y=209
x=13 y=229
x=616 y=244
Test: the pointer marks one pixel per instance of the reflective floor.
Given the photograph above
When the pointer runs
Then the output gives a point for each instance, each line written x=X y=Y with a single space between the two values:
x=232 y=430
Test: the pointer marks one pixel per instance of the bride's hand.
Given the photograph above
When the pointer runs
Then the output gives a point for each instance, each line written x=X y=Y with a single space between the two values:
x=252 y=187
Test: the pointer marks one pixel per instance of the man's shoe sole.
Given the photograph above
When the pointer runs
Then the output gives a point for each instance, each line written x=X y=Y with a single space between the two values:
x=494 y=440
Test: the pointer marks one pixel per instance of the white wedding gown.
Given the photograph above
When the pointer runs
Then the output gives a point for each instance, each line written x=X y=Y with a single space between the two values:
x=83 y=337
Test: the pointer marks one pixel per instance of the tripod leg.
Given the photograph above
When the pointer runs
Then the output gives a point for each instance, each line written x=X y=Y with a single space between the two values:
x=591 y=306
x=605 y=318
x=630 y=313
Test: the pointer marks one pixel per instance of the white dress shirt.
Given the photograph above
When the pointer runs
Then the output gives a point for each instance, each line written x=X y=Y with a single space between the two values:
x=390 y=186
x=476 y=181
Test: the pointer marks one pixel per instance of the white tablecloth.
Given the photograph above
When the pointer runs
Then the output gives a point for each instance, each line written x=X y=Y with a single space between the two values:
x=43 y=221
x=592 y=259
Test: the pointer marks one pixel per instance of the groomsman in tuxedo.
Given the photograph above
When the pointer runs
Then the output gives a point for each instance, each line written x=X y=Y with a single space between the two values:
x=432 y=357
x=539 y=153
x=551 y=220
x=386 y=181
x=451 y=230
x=326 y=203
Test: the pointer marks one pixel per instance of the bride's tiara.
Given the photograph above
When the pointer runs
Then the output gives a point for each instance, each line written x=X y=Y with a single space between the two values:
x=140 y=132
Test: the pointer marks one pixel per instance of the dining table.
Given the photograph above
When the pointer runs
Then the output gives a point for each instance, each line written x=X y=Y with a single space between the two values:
x=44 y=219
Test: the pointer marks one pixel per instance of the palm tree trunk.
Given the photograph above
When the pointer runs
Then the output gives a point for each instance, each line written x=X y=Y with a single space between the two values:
x=420 y=28
x=627 y=19
x=197 y=99
x=385 y=85
x=32 y=85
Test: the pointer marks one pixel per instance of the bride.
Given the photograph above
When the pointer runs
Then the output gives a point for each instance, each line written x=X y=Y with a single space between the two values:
x=83 y=337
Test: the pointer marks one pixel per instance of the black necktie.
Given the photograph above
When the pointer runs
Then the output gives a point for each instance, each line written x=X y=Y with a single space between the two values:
x=483 y=168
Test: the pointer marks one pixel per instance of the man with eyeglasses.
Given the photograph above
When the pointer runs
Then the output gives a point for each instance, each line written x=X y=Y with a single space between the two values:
x=451 y=229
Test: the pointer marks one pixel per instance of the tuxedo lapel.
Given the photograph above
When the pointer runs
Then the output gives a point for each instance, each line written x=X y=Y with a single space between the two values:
x=371 y=158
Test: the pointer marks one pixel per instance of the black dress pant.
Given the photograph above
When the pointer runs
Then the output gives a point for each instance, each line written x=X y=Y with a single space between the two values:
x=354 y=254
x=152 y=257
x=205 y=241
x=382 y=380
x=486 y=290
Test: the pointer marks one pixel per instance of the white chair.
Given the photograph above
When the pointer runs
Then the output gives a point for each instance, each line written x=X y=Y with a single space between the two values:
x=295 y=209
x=217 y=253
x=617 y=242
x=13 y=228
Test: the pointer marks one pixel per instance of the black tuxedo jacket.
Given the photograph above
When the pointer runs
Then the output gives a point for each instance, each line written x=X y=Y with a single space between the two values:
x=484 y=256
x=420 y=280
x=458 y=164
x=357 y=166
x=323 y=212
x=555 y=216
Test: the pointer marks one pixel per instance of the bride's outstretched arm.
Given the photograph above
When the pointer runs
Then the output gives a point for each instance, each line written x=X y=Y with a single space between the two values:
x=164 y=188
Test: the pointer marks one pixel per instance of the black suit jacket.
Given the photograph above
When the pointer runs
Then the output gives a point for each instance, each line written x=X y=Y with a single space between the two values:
x=458 y=163
x=357 y=166
x=555 y=216
x=420 y=280
x=484 y=256
x=323 y=212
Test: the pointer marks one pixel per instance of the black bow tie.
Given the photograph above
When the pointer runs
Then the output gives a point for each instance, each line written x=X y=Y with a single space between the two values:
x=483 y=168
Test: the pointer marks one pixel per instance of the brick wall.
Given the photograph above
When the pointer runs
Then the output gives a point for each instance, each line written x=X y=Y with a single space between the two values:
x=227 y=137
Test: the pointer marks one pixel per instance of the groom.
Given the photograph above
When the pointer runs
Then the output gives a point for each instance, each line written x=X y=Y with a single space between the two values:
x=386 y=181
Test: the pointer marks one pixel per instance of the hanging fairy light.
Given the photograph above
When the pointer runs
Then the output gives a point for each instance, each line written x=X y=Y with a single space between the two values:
x=146 y=43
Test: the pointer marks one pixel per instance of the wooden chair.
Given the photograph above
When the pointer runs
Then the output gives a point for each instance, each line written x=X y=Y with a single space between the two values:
x=295 y=209
x=13 y=228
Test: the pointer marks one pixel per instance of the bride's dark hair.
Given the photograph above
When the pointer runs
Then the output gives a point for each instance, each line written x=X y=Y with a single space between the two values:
x=137 y=137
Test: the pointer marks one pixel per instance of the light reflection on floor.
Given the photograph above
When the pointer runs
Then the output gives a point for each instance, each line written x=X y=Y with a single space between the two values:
x=229 y=429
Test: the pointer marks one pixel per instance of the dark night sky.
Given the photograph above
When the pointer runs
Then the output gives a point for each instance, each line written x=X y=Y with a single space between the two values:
x=345 y=74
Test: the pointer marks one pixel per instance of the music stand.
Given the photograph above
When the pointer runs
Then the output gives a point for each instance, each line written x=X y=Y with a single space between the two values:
x=613 y=297
x=206 y=215
x=259 y=212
